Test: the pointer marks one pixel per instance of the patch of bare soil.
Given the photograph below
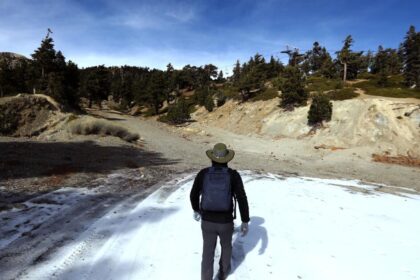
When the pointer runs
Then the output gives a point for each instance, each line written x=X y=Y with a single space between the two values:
x=40 y=166
x=407 y=160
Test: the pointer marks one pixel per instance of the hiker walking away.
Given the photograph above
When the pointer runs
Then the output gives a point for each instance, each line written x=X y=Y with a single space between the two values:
x=213 y=198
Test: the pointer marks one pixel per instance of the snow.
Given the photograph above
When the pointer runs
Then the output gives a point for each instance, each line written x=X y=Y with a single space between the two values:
x=301 y=228
x=18 y=222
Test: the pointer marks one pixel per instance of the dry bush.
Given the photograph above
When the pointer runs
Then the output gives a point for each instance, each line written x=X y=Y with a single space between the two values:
x=399 y=159
x=103 y=128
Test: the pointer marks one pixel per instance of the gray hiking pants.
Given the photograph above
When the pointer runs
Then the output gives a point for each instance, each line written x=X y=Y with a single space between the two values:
x=210 y=233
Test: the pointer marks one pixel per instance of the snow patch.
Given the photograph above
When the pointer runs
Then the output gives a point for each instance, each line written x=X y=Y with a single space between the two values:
x=301 y=228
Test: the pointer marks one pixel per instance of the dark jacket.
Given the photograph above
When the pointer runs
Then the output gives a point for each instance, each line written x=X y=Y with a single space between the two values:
x=237 y=189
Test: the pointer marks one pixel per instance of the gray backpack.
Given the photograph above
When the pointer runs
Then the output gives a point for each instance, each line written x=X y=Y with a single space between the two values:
x=216 y=193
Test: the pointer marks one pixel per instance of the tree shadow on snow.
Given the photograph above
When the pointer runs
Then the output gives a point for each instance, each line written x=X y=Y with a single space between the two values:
x=111 y=266
x=115 y=223
x=106 y=268
x=243 y=245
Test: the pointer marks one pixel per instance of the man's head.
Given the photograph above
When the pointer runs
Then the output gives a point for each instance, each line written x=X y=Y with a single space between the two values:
x=220 y=153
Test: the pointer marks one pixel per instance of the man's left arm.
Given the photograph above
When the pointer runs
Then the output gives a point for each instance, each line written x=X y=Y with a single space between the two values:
x=239 y=190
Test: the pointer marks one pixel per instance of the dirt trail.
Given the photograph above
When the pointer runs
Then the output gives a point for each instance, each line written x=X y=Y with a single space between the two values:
x=187 y=146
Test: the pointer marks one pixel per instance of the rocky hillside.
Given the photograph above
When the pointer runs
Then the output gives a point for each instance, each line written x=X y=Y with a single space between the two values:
x=12 y=58
x=27 y=115
x=384 y=124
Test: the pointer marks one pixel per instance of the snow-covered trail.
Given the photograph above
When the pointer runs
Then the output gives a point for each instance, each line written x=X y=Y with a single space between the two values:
x=301 y=228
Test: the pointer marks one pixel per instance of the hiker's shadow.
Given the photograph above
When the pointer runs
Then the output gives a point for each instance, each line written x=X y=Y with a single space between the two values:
x=242 y=245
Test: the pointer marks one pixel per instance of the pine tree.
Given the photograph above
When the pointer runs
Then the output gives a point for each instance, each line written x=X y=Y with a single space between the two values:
x=156 y=90
x=178 y=113
x=220 y=77
x=50 y=73
x=320 y=110
x=381 y=66
x=209 y=103
x=72 y=80
x=344 y=55
x=44 y=57
x=328 y=68
x=96 y=84
x=236 y=73
x=351 y=61
x=293 y=90
x=386 y=61
x=411 y=55
x=6 y=83
x=316 y=57
x=275 y=67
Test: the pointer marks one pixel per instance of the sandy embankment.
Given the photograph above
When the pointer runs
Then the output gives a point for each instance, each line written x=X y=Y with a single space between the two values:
x=269 y=139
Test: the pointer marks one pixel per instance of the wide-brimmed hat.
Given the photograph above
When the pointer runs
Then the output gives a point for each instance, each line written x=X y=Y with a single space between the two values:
x=220 y=153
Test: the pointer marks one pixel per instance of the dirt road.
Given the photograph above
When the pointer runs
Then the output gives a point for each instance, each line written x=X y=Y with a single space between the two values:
x=293 y=157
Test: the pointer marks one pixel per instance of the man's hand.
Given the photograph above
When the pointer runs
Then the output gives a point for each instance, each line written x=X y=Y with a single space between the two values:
x=244 y=229
x=196 y=216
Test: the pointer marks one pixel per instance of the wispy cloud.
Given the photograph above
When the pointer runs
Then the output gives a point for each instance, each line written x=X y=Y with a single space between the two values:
x=152 y=15
x=155 y=32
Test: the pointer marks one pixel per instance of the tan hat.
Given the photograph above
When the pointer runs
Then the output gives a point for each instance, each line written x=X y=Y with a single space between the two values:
x=220 y=153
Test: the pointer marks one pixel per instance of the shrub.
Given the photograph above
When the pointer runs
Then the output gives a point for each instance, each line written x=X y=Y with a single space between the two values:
x=8 y=122
x=201 y=95
x=230 y=91
x=321 y=84
x=220 y=98
x=365 y=75
x=266 y=94
x=209 y=103
x=320 y=110
x=342 y=94
x=103 y=128
x=178 y=113
x=394 y=88
x=383 y=79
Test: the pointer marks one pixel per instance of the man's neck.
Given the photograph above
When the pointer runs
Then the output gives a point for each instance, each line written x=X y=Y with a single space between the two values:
x=216 y=164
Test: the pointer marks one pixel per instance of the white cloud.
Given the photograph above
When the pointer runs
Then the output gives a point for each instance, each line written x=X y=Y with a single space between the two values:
x=152 y=16
x=182 y=13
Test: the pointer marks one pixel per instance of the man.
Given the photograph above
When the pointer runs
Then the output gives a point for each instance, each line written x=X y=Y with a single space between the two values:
x=218 y=186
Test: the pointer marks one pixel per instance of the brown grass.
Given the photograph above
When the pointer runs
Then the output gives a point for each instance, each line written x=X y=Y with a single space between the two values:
x=103 y=128
x=407 y=160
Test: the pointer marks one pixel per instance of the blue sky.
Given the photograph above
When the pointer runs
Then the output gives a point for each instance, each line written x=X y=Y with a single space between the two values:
x=153 y=33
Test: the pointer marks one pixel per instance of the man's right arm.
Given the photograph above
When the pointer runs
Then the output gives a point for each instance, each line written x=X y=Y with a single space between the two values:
x=195 y=193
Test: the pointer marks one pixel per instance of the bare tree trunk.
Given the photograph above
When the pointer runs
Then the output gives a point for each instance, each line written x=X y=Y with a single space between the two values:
x=345 y=72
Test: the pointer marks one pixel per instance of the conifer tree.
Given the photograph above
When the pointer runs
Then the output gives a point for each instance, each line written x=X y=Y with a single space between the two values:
x=344 y=55
x=179 y=112
x=220 y=77
x=236 y=73
x=293 y=89
x=155 y=91
x=44 y=57
x=411 y=55
x=320 y=110
x=209 y=103
x=350 y=61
